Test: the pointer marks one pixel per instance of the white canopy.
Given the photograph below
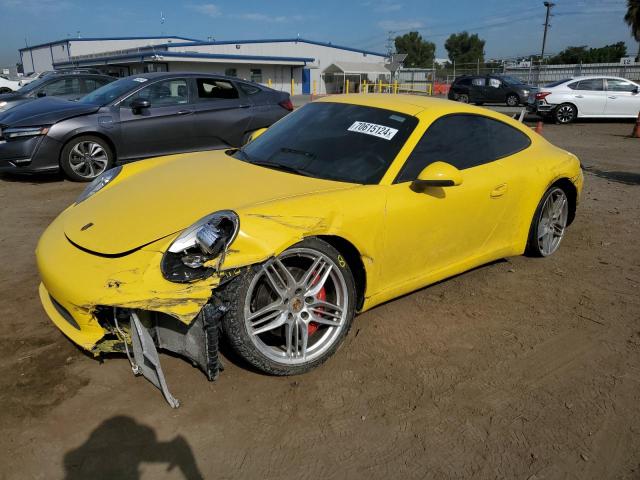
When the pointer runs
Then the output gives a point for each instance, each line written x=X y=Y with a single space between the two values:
x=355 y=68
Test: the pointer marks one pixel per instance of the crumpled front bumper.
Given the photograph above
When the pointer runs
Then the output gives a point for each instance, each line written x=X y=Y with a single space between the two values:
x=76 y=283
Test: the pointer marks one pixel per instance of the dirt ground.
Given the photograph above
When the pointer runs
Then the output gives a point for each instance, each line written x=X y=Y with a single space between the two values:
x=522 y=369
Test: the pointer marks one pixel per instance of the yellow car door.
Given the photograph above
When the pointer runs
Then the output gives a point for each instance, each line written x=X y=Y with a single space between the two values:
x=437 y=231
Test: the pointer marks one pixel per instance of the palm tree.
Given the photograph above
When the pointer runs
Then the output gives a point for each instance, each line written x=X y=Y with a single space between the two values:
x=633 y=20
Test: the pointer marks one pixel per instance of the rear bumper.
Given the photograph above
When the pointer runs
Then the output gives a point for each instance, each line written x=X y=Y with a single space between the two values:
x=541 y=107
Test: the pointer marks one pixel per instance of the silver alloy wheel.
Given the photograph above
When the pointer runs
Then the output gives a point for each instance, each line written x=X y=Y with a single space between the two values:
x=462 y=97
x=305 y=310
x=553 y=221
x=565 y=114
x=512 y=101
x=88 y=159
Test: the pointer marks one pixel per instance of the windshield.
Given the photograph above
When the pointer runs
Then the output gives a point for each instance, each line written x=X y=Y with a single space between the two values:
x=107 y=94
x=31 y=86
x=333 y=141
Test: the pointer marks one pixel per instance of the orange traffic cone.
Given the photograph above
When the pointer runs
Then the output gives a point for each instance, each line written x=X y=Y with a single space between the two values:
x=636 y=130
x=538 y=128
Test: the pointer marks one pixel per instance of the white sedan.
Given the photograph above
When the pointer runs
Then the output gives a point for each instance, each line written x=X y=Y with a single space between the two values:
x=7 y=85
x=587 y=97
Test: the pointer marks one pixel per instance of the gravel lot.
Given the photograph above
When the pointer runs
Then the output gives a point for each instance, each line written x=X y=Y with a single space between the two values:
x=525 y=368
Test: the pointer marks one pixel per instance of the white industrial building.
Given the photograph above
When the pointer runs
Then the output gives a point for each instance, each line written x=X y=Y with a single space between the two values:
x=310 y=64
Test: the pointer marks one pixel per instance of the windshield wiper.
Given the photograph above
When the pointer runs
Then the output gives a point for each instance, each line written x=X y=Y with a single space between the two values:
x=282 y=167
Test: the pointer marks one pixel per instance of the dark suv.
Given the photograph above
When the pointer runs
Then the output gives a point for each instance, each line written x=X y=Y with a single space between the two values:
x=67 y=85
x=481 y=89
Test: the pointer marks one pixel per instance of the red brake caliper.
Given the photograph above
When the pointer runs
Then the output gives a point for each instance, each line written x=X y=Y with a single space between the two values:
x=313 y=326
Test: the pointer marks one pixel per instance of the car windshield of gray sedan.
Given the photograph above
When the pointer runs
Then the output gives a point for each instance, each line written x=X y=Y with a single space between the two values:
x=107 y=94
x=333 y=141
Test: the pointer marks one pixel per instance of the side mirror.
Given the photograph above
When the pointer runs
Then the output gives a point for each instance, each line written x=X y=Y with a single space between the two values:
x=439 y=174
x=255 y=135
x=41 y=94
x=139 y=104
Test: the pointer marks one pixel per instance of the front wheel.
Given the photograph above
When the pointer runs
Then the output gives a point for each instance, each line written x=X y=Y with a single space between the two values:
x=462 y=97
x=291 y=313
x=84 y=158
x=549 y=223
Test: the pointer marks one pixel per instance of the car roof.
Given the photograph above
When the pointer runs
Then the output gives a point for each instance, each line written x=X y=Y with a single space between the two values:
x=591 y=77
x=161 y=75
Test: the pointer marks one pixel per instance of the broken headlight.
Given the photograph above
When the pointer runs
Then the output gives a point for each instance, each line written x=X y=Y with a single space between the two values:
x=202 y=242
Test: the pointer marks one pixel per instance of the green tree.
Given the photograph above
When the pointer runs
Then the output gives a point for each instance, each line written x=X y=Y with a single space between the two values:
x=465 y=48
x=583 y=54
x=632 y=17
x=420 y=53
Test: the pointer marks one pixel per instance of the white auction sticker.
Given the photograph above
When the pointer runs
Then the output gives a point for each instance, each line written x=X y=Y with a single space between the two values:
x=374 y=129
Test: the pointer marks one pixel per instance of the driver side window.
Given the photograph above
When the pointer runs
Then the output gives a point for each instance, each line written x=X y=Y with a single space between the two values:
x=163 y=94
x=464 y=141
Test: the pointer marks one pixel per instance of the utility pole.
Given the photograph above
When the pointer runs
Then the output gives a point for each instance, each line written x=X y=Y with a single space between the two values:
x=390 y=43
x=549 y=6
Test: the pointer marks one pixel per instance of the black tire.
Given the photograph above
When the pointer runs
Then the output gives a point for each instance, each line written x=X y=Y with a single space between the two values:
x=534 y=248
x=565 y=113
x=512 y=100
x=72 y=148
x=462 y=97
x=479 y=103
x=234 y=295
x=5 y=90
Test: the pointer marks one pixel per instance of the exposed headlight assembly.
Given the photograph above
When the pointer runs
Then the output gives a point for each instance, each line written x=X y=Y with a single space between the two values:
x=202 y=242
x=99 y=183
x=13 y=133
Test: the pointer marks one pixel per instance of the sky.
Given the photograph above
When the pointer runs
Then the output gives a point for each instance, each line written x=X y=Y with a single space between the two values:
x=511 y=28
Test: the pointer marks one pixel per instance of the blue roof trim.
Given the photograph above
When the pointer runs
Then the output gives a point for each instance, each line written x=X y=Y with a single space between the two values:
x=280 y=40
x=142 y=56
x=94 y=39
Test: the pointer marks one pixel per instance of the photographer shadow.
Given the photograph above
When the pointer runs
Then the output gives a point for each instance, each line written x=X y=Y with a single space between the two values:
x=118 y=447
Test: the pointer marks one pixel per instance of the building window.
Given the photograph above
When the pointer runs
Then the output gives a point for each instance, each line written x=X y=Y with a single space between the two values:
x=231 y=72
x=256 y=75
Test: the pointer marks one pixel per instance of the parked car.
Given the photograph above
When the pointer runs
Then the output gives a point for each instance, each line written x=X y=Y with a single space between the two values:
x=587 y=97
x=70 y=86
x=481 y=89
x=132 y=118
x=333 y=210
x=35 y=76
x=7 y=85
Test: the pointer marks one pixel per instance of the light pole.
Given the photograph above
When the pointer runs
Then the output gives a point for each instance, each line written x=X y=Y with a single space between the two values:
x=549 y=6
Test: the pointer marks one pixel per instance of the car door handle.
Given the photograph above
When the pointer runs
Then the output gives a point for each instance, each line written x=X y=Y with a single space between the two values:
x=613 y=98
x=578 y=96
x=499 y=191
x=185 y=112
x=244 y=106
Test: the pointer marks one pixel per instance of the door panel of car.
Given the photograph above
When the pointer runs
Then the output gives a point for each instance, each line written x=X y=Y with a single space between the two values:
x=433 y=229
x=477 y=90
x=222 y=113
x=496 y=90
x=163 y=128
x=623 y=98
x=265 y=109
x=589 y=96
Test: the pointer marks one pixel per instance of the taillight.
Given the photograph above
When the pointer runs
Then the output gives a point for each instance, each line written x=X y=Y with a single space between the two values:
x=541 y=95
x=286 y=104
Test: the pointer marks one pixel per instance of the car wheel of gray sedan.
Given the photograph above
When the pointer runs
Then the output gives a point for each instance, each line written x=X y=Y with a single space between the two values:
x=513 y=100
x=462 y=97
x=84 y=158
x=549 y=223
x=565 y=113
x=291 y=313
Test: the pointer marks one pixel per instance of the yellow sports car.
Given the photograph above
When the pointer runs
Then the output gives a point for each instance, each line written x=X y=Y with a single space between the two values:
x=344 y=204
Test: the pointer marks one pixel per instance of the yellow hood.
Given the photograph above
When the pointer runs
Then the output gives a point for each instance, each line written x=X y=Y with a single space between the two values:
x=155 y=198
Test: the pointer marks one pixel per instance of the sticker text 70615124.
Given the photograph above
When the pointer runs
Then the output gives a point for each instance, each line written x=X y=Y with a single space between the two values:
x=374 y=129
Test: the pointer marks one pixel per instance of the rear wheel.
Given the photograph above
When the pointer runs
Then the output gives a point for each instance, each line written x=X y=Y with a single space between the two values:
x=549 y=223
x=291 y=313
x=513 y=100
x=84 y=158
x=5 y=90
x=565 y=113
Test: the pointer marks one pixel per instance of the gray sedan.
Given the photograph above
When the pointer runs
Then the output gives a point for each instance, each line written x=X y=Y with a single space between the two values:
x=135 y=117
